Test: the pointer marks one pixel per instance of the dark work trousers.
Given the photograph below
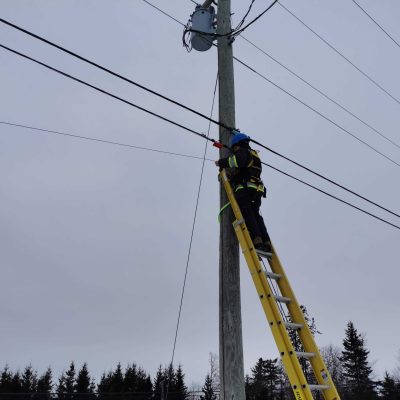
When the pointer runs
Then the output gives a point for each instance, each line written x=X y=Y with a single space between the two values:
x=249 y=201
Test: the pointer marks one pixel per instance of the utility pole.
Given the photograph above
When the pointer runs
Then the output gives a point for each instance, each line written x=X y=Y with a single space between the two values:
x=230 y=320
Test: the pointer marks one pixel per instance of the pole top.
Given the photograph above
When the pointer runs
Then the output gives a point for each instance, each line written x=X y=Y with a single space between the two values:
x=207 y=3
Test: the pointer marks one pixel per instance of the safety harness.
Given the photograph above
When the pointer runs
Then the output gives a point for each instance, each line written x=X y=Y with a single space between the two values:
x=249 y=176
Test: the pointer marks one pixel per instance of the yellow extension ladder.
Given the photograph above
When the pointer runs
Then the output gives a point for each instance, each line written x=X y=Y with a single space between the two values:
x=280 y=326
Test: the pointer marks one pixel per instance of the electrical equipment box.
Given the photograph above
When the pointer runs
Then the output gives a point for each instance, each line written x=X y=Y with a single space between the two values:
x=203 y=28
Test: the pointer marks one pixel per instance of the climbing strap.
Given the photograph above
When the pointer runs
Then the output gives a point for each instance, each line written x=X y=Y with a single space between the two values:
x=222 y=210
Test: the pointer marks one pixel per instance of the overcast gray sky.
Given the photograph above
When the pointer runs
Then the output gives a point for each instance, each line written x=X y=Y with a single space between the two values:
x=94 y=237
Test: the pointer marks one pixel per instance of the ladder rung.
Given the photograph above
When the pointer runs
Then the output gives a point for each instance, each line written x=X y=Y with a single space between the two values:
x=318 y=387
x=293 y=325
x=264 y=254
x=303 y=354
x=282 y=299
x=272 y=275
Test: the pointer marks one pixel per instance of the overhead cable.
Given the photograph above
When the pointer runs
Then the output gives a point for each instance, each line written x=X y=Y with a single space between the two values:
x=376 y=23
x=210 y=119
x=341 y=55
x=302 y=102
x=192 y=232
x=194 y=157
x=316 y=111
x=320 y=92
x=323 y=116
x=178 y=103
x=332 y=196
x=70 y=52
x=109 y=94
x=240 y=31
x=233 y=33
x=163 y=12
x=91 y=139
x=325 y=178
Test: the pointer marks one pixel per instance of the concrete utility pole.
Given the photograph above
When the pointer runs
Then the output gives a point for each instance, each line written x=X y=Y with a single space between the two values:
x=230 y=320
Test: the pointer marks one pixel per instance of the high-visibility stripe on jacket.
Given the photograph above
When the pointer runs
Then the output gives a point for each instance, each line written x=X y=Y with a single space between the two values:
x=247 y=164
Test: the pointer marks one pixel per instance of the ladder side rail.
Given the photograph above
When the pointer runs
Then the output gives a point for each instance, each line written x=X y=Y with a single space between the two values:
x=286 y=350
x=318 y=365
x=274 y=317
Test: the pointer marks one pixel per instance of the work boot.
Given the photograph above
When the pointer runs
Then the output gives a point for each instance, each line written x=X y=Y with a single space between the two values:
x=261 y=248
x=268 y=245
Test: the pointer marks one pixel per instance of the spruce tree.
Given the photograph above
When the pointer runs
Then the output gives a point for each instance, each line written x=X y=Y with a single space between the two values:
x=258 y=390
x=117 y=380
x=45 y=382
x=356 y=369
x=159 y=384
x=83 y=384
x=272 y=378
x=208 y=389
x=247 y=387
x=104 y=386
x=29 y=380
x=144 y=384
x=16 y=384
x=181 y=389
x=45 y=385
x=389 y=390
x=137 y=381
x=69 y=382
x=61 y=387
x=5 y=380
x=130 y=378
x=266 y=382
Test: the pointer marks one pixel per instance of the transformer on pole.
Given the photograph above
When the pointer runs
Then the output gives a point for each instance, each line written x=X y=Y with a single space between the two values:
x=202 y=27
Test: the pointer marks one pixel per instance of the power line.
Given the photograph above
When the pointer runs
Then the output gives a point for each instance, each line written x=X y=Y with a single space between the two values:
x=326 y=118
x=238 y=32
x=340 y=54
x=101 y=140
x=193 y=226
x=320 y=92
x=109 y=94
x=70 y=52
x=180 y=104
x=300 y=165
x=163 y=12
x=189 y=156
x=315 y=111
x=332 y=196
x=376 y=23
x=233 y=33
x=210 y=119
x=325 y=178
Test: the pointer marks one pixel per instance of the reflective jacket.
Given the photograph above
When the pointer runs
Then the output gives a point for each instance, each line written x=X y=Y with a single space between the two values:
x=247 y=166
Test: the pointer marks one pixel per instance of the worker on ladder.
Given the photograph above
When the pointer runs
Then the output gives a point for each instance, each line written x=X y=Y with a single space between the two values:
x=244 y=167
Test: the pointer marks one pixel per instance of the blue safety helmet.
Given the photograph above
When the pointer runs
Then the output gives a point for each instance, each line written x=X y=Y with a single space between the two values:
x=239 y=137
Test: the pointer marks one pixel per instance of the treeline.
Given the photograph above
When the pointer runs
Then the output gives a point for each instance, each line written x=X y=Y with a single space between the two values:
x=131 y=383
x=349 y=366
